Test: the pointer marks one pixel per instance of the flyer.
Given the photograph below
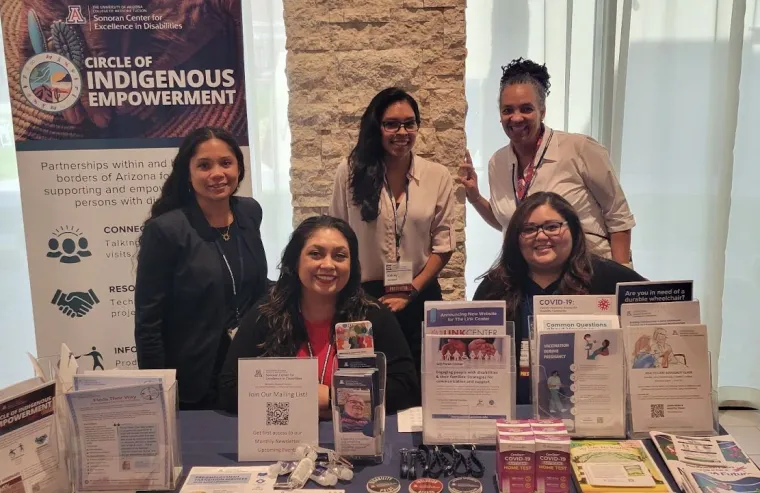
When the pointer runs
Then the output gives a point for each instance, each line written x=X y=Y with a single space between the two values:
x=577 y=304
x=278 y=409
x=356 y=397
x=29 y=454
x=467 y=366
x=576 y=322
x=121 y=438
x=354 y=338
x=581 y=379
x=669 y=379
x=654 y=292
x=673 y=313
x=253 y=479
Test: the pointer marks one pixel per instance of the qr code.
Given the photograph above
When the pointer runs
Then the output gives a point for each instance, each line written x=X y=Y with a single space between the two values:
x=657 y=410
x=278 y=413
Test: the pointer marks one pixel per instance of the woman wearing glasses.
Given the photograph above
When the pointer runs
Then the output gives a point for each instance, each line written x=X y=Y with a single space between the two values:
x=541 y=159
x=401 y=207
x=545 y=253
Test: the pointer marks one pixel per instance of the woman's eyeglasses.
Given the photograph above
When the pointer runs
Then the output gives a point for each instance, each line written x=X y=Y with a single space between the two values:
x=550 y=228
x=395 y=126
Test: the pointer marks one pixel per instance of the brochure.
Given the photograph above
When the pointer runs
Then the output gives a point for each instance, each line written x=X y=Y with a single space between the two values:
x=718 y=456
x=356 y=400
x=467 y=366
x=577 y=304
x=29 y=453
x=654 y=292
x=674 y=313
x=669 y=379
x=253 y=479
x=580 y=379
x=612 y=463
x=354 y=338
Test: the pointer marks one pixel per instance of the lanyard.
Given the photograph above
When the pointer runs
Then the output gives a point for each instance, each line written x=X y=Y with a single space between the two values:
x=232 y=276
x=523 y=183
x=324 y=366
x=398 y=232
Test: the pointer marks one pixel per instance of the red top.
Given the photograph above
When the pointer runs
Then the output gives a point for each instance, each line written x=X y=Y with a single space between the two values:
x=319 y=337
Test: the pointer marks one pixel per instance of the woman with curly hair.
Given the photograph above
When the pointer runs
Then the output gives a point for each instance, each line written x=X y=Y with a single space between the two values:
x=545 y=253
x=401 y=207
x=539 y=159
x=319 y=286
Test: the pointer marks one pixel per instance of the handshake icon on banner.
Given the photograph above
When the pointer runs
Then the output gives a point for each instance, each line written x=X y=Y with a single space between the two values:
x=76 y=304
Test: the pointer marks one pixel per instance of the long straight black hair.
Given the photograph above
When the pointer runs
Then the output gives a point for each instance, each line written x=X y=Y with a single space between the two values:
x=282 y=304
x=367 y=168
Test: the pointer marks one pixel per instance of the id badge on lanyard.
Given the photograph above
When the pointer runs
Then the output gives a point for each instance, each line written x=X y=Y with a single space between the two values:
x=398 y=275
x=522 y=186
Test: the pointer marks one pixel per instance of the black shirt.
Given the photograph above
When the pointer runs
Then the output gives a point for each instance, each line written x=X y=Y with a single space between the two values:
x=605 y=276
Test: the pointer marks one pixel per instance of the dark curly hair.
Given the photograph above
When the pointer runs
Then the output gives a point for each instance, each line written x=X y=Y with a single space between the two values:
x=281 y=307
x=523 y=71
x=366 y=165
x=511 y=270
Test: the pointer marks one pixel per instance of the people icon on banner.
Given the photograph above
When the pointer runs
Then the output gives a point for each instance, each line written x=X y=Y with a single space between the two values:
x=68 y=246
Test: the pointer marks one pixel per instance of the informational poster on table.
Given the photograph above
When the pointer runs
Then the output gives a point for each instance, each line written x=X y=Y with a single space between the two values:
x=467 y=383
x=102 y=93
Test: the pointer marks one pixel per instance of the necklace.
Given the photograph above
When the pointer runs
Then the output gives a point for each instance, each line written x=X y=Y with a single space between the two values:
x=324 y=366
x=225 y=234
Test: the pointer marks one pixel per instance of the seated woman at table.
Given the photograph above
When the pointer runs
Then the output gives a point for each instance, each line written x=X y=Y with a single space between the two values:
x=319 y=286
x=545 y=253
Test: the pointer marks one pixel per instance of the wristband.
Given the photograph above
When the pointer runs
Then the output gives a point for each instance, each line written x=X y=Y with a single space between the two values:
x=413 y=294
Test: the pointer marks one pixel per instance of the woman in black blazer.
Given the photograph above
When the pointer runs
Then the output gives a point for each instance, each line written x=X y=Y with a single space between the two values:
x=544 y=253
x=200 y=267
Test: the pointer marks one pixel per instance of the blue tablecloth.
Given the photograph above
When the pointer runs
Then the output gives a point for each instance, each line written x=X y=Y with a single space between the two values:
x=209 y=438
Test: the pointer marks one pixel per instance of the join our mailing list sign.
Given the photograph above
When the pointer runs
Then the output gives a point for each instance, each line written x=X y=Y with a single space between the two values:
x=101 y=97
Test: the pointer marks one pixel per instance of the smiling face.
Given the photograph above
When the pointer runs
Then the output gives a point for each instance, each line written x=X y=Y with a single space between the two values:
x=398 y=144
x=521 y=113
x=542 y=252
x=324 y=265
x=214 y=171
x=354 y=407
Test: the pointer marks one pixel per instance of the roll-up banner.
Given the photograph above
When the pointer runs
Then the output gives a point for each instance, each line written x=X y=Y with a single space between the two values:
x=102 y=93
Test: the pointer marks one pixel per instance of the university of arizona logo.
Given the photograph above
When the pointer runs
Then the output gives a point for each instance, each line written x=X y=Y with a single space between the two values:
x=75 y=15
x=51 y=82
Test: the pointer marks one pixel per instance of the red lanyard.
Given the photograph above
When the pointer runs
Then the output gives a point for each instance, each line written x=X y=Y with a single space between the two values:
x=523 y=182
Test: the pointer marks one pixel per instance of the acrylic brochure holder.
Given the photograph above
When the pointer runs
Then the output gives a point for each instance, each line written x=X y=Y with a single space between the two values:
x=116 y=448
x=459 y=405
x=358 y=408
x=569 y=383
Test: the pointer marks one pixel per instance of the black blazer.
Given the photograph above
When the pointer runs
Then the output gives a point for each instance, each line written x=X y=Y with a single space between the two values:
x=402 y=389
x=180 y=296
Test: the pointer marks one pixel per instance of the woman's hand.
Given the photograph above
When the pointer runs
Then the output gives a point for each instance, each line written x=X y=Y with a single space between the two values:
x=395 y=301
x=468 y=177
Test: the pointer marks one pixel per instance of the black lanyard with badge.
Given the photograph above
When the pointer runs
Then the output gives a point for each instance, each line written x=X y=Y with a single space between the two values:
x=530 y=174
x=398 y=275
x=231 y=331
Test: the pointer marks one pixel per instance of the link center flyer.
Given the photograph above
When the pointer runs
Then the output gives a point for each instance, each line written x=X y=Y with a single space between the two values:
x=466 y=380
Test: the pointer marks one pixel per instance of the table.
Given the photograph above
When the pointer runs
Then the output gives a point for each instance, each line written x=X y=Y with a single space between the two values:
x=209 y=438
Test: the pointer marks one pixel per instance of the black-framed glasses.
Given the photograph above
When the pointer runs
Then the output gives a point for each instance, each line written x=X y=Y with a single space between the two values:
x=550 y=228
x=394 y=126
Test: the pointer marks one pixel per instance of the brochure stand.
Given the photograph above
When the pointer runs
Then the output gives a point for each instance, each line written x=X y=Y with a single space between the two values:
x=358 y=406
x=114 y=442
x=713 y=430
x=464 y=393
x=593 y=406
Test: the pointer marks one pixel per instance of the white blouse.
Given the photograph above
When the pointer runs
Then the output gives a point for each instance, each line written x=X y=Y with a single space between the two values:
x=576 y=167
x=429 y=225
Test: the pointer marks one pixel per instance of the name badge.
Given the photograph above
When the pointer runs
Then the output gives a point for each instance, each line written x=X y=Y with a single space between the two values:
x=398 y=277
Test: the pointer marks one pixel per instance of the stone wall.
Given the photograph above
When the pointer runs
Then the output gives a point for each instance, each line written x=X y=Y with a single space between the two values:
x=340 y=54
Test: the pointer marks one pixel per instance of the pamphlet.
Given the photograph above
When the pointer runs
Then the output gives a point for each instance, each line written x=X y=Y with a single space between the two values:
x=604 y=466
x=121 y=438
x=357 y=396
x=577 y=304
x=673 y=313
x=654 y=292
x=580 y=379
x=278 y=409
x=29 y=454
x=669 y=379
x=719 y=458
x=354 y=338
x=254 y=479
x=467 y=366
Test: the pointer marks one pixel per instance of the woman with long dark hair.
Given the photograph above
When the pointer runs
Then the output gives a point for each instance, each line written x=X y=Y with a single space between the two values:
x=319 y=286
x=200 y=267
x=540 y=159
x=401 y=207
x=545 y=253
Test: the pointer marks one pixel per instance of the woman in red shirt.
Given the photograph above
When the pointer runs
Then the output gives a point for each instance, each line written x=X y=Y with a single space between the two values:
x=319 y=286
